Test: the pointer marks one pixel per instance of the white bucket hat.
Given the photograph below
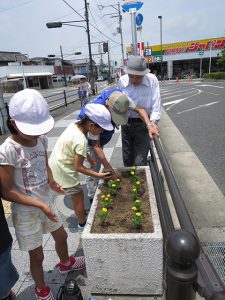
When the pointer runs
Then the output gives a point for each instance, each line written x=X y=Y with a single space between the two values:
x=99 y=114
x=30 y=112
x=136 y=65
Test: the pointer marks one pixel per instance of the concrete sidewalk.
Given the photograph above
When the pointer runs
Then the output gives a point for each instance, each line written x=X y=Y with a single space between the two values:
x=197 y=188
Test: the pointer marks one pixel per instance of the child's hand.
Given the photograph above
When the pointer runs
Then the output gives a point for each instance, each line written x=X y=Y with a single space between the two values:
x=49 y=213
x=56 y=187
x=105 y=175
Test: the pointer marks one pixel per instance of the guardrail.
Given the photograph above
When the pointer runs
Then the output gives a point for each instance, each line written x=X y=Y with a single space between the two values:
x=187 y=269
x=61 y=99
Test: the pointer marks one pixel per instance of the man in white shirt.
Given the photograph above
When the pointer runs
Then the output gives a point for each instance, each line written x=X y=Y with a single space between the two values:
x=143 y=88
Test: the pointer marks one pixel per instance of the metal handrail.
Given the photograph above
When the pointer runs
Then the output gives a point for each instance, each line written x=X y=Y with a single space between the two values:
x=209 y=284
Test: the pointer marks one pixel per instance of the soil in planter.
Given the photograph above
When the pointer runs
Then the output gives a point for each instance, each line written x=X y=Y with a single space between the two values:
x=119 y=220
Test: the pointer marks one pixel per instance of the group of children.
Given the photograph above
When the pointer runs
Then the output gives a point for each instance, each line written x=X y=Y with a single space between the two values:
x=27 y=180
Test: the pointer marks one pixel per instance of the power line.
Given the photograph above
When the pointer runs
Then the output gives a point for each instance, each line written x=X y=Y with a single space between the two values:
x=74 y=9
x=89 y=22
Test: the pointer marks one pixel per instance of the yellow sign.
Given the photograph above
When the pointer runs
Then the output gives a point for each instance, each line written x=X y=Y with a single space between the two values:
x=183 y=47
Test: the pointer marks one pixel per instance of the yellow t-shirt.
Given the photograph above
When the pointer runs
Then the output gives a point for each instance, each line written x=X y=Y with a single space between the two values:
x=71 y=142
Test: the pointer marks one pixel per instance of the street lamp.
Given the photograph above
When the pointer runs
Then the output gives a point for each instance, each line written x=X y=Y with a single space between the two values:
x=160 y=18
x=70 y=23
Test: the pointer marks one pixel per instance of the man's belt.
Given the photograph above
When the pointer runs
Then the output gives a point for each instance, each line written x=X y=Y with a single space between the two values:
x=134 y=120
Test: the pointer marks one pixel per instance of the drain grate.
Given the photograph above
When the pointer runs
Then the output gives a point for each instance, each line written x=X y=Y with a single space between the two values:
x=216 y=254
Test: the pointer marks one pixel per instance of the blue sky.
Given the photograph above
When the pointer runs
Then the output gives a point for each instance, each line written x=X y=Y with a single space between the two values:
x=24 y=25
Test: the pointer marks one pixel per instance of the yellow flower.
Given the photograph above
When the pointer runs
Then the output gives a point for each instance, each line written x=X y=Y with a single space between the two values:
x=138 y=214
x=113 y=185
x=137 y=201
x=133 y=168
x=137 y=182
x=118 y=180
x=132 y=173
x=106 y=199
x=108 y=195
x=104 y=209
x=134 y=208
x=134 y=190
x=102 y=196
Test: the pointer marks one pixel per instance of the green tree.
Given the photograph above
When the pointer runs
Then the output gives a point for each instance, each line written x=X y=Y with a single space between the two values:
x=221 y=58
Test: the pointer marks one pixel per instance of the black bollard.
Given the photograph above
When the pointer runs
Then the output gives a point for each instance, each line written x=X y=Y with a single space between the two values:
x=182 y=249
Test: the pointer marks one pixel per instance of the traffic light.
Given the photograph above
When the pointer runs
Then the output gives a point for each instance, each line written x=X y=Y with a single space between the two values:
x=115 y=63
x=77 y=53
x=51 y=55
x=105 y=47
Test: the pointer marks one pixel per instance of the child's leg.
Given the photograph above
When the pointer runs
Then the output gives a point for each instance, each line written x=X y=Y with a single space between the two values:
x=60 y=238
x=36 y=268
x=78 y=205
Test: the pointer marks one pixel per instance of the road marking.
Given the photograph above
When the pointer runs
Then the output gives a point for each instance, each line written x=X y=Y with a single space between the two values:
x=197 y=107
x=216 y=86
x=211 y=93
x=187 y=93
x=172 y=103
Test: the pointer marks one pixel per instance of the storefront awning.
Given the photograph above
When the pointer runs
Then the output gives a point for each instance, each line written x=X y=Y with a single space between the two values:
x=26 y=74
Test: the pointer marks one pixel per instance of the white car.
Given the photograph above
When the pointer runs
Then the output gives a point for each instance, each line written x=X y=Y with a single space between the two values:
x=100 y=78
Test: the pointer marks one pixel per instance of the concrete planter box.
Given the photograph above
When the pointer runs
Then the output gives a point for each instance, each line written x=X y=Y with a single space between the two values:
x=125 y=263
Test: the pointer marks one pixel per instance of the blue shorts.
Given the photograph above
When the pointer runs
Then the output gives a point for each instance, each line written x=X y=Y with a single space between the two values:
x=10 y=273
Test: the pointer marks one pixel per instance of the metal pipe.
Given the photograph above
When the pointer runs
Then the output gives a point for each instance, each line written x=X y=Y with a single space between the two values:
x=132 y=11
x=209 y=283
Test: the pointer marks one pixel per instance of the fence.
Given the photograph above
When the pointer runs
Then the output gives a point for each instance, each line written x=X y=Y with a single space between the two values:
x=187 y=268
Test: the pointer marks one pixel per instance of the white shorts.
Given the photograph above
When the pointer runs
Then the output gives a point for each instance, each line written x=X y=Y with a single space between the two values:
x=31 y=225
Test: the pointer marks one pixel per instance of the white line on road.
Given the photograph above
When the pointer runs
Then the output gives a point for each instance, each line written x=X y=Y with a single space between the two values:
x=172 y=103
x=197 y=107
x=216 y=86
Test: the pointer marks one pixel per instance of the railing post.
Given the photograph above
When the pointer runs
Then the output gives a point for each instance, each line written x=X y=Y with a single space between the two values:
x=65 y=97
x=182 y=250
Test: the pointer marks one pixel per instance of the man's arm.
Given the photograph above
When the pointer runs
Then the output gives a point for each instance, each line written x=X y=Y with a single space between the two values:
x=151 y=125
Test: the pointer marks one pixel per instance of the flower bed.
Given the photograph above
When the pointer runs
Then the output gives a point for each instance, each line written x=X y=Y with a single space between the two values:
x=125 y=263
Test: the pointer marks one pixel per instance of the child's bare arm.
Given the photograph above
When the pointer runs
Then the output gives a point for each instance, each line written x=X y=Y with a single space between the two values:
x=79 y=167
x=51 y=181
x=9 y=194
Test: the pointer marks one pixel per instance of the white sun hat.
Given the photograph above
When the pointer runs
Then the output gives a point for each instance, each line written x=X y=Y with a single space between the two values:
x=99 y=114
x=30 y=112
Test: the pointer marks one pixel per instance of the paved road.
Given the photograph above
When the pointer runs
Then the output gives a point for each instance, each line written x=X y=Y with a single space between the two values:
x=198 y=110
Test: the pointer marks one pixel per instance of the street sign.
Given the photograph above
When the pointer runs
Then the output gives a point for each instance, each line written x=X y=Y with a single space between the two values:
x=139 y=19
x=201 y=53
x=148 y=59
x=158 y=58
x=148 y=51
x=131 y=5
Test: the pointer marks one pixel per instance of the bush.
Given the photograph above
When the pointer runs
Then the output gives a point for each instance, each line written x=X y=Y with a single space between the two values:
x=215 y=76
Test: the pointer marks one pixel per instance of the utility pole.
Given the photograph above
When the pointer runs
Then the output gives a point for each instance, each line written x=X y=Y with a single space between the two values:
x=63 y=68
x=120 y=24
x=121 y=34
x=109 y=64
x=89 y=48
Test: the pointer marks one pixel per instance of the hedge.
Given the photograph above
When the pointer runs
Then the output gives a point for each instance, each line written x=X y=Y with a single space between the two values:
x=216 y=75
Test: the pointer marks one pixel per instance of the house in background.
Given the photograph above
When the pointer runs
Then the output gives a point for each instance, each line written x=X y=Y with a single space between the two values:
x=82 y=66
x=18 y=71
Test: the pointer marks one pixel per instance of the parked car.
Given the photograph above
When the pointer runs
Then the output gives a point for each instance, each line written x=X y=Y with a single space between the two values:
x=100 y=78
